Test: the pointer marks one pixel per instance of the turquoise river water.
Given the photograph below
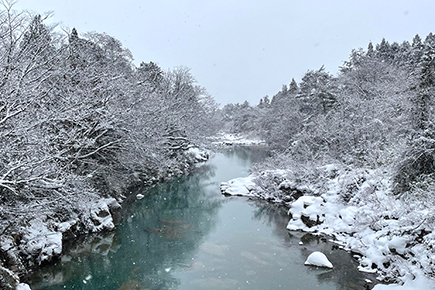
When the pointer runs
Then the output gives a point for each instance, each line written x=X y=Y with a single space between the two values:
x=185 y=235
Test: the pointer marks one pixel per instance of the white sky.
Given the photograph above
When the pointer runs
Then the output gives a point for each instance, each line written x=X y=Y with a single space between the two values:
x=244 y=49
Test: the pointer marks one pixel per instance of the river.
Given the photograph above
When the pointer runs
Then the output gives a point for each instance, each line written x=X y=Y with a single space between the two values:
x=185 y=235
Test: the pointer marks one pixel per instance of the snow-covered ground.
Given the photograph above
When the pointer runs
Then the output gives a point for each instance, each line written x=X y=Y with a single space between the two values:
x=390 y=236
x=227 y=139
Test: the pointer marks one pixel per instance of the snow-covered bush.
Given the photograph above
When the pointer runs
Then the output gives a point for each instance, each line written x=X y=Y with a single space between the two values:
x=417 y=161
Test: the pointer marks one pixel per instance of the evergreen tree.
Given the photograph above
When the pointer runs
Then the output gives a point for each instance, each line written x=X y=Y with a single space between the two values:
x=317 y=91
x=356 y=58
x=293 y=87
x=151 y=74
x=284 y=89
x=266 y=101
x=383 y=50
x=416 y=51
x=426 y=83
x=416 y=42
x=394 y=51
x=403 y=57
x=370 y=50
x=74 y=47
x=37 y=34
x=419 y=158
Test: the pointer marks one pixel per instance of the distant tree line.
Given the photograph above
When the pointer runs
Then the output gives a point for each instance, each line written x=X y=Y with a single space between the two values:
x=377 y=112
x=77 y=117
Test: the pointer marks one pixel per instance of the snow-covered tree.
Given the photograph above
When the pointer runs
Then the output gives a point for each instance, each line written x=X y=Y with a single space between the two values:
x=317 y=91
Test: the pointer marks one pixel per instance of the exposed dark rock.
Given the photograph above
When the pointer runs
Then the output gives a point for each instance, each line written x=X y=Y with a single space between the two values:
x=309 y=222
x=291 y=190
x=8 y=280
x=115 y=211
x=103 y=214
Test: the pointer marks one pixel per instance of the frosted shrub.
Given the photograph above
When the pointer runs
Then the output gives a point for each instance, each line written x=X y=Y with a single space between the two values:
x=417 y=161
x=351 y=185
x=269 y=182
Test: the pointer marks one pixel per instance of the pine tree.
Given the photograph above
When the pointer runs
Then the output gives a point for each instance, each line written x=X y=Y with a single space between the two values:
x=370 y=50
x=317 y=91
x=284 y=89
x=416 y=51
x=151 y=74
x=426 y=83
x=416 y=41
x=74 y=55
x=419 y=159
x=37 y=33
x=403 y=57
x=293 y=87
x=266 y=101
x=394 y=51
x=383 y=50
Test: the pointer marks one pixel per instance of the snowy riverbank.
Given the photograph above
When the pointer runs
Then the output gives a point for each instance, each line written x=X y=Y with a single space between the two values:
x=233 y=139
x=37 y=232
x=390 y=236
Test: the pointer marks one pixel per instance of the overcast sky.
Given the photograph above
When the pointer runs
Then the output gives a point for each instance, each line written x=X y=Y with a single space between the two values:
x=244 y=49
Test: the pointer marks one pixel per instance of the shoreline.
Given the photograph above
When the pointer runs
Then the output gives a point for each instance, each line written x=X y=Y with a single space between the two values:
x=347 y=207
x=40 y=240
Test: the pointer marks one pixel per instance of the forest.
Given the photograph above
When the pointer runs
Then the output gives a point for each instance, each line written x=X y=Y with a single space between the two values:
x=376 y=113
x=353 y=154
x=80 y=122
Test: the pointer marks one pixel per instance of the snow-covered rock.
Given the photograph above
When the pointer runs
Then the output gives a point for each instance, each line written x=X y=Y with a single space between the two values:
x=23 y=286
x=101 y=216
x=318 y=259
x=310 y=207
x=200 y=155
x=41 y=240
x=242 y=186
x=417 y=283
x=392 y=236
x=10 y=281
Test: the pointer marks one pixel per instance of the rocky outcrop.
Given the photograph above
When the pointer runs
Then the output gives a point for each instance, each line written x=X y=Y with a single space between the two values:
x=8 y=279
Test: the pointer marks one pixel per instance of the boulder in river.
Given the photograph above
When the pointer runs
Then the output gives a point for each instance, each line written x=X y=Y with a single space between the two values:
x=318 y=259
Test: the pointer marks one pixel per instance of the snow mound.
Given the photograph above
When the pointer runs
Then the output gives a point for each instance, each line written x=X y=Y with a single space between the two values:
x=200 y=155
x=318 y=259
x=242 y=186
x=23 y=286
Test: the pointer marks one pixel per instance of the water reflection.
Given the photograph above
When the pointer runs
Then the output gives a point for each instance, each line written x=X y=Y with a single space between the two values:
x=249 y=154
x=345 y=273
